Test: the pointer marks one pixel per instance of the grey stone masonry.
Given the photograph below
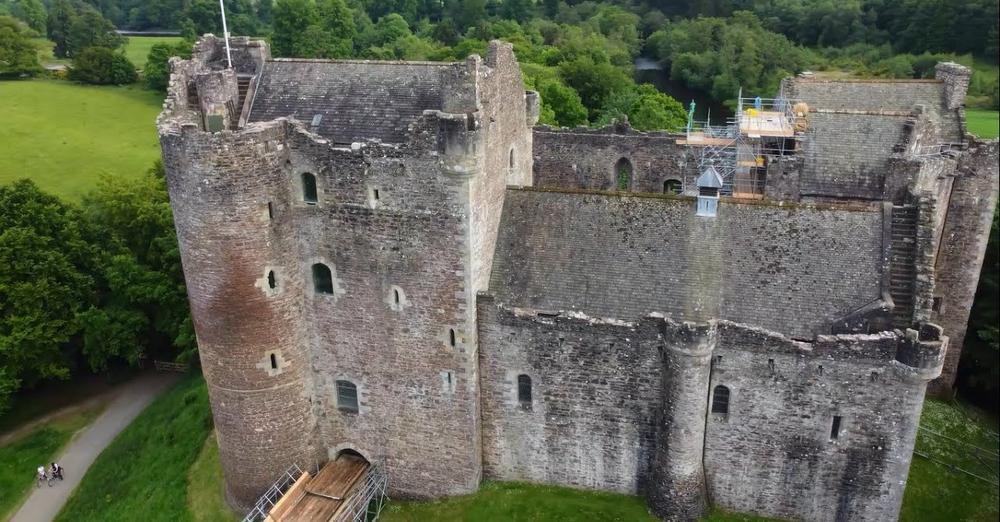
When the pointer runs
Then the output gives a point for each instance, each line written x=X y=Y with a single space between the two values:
x=385 y=258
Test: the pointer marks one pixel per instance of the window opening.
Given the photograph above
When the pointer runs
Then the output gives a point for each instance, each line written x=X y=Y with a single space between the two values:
x=835 y=428
x=322 y=279
x=347 y=396
x=770 y=365
x=270 y=210
x=395 y=296
x=451 y=337
x=272 y=282
x=936 y=304
x=524 y=391
x=309 y=188
x=720 y=400
x=623 y=174
x=672 y=186
x=375 y=194
x=820 y=370
x=510 y=162
x=274 y=362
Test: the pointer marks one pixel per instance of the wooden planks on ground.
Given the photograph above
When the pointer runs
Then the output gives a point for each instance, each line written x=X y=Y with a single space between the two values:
x=326 y=492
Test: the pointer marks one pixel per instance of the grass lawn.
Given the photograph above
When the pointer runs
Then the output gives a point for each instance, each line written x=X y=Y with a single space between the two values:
x=983 y=123
x=19 y=459
x=137 y=48
x=143 y=474
x=64 y=136
x=205 y=496
x=934 y=492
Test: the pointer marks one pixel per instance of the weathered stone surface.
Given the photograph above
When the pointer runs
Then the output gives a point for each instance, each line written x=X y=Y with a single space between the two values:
x=461 y=253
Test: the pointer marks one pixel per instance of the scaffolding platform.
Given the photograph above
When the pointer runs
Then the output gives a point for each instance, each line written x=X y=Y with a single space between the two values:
x=348 y=489
x=769 y=124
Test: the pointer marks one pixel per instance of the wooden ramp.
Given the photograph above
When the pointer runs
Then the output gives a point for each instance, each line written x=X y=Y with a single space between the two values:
x=320 y=498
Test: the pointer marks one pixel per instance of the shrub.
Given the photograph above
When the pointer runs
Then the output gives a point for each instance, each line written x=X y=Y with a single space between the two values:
x=102 y=66
x=157 y=69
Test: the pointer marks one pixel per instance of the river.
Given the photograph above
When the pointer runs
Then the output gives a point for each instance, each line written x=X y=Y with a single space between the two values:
x=650 y=71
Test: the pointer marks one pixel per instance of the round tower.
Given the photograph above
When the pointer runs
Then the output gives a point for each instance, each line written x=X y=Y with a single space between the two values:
x=677 y=489
x=245 y=289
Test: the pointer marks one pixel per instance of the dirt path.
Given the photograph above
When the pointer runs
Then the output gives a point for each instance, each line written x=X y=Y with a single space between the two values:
x=45 y=502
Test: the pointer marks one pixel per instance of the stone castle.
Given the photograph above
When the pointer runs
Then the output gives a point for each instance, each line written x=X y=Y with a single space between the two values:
x=390 y=258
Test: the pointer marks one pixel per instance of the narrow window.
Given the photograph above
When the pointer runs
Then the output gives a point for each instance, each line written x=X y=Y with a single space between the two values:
x=936 y=304
x=820 y=370
x=395 y=296
x=322 y=279
x=524 y=391
x=270 y=210
x=672 y=186
x=835 y=429
x=375 y=194
x=623 y=174
x=510 y=162
x=347 y=396
x=272 y=282
x=309 y=188
x=718 y=359
x=274 y=362
x=720 y=400
x=874 y=377
x=770 y=365
x=451 y=337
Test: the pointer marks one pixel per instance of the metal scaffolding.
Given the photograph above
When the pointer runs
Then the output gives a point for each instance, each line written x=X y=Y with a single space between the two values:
x=273 y=495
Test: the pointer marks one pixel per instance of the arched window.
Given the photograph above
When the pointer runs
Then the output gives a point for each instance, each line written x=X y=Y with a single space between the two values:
x=272 y=282
x=452 y=341
x=322 y=279
x=623 y=174
x=672 y=186
x=347 y=396
x=720 y=400
x=309 y=188
x=524 y=391
x=510 y=162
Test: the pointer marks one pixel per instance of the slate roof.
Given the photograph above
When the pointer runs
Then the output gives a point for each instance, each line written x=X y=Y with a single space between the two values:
x=355 y=100
x=790 y=269
x=846 y=155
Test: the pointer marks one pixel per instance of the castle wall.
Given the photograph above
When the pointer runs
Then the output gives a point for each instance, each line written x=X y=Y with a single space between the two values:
x=596 y=390
x=417 y=393
x=774 y=453
x=971 y=204
x=228 y=245
x=580 y=158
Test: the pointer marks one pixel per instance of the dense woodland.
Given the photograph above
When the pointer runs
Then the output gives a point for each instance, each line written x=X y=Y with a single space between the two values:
x=110 y=270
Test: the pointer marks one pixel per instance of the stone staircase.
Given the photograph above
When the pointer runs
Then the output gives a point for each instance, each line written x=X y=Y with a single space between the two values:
x=901 y=266
x=242 y=85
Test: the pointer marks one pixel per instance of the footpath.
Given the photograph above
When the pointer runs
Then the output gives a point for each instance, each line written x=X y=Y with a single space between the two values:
x=45 y=502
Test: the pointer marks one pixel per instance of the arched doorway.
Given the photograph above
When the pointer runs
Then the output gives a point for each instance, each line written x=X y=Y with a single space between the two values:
x=672 y=186
x=623 y=174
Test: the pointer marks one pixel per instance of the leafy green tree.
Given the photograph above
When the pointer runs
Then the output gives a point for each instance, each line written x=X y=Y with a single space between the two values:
x=18 y=55
x=45 y=283
x=31 y=12
x=594 y=81
x=156 y=72
x=61 y=16
x=645 y=108
x=291 y=17
x=563 y=103
x=979 y=368
x=102 y=66
x=90 y=29
x=205 y=16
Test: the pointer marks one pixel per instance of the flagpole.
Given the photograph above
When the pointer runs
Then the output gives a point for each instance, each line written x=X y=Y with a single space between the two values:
x=225 y=34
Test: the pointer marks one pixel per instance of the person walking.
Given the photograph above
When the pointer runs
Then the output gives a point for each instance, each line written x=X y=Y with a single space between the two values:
x=42 y=477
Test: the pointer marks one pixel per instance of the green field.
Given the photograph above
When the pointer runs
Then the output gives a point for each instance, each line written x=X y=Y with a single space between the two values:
x=64 y=136
x=137 y=48
x=19 y=459
x=983 y=123
x=205 y=498
x=143 y=474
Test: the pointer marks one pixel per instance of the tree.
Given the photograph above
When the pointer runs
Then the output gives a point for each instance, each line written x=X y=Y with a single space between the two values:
x=102 y=66
x=45 y=283
x=645 y=108
x=18 y=55
x=156 y=72
x=564 y=103
x=61 y=16
x=594 y=81
x=291 y=17
x=31 y=12
x=90 y=29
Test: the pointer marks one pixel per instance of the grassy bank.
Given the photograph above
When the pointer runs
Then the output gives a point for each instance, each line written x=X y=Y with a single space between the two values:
x=935 y=490
x=143 y=474
x=137 y=48
x=205 y=496
x=983 y=123
x=64 y=136
x=19 y=459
